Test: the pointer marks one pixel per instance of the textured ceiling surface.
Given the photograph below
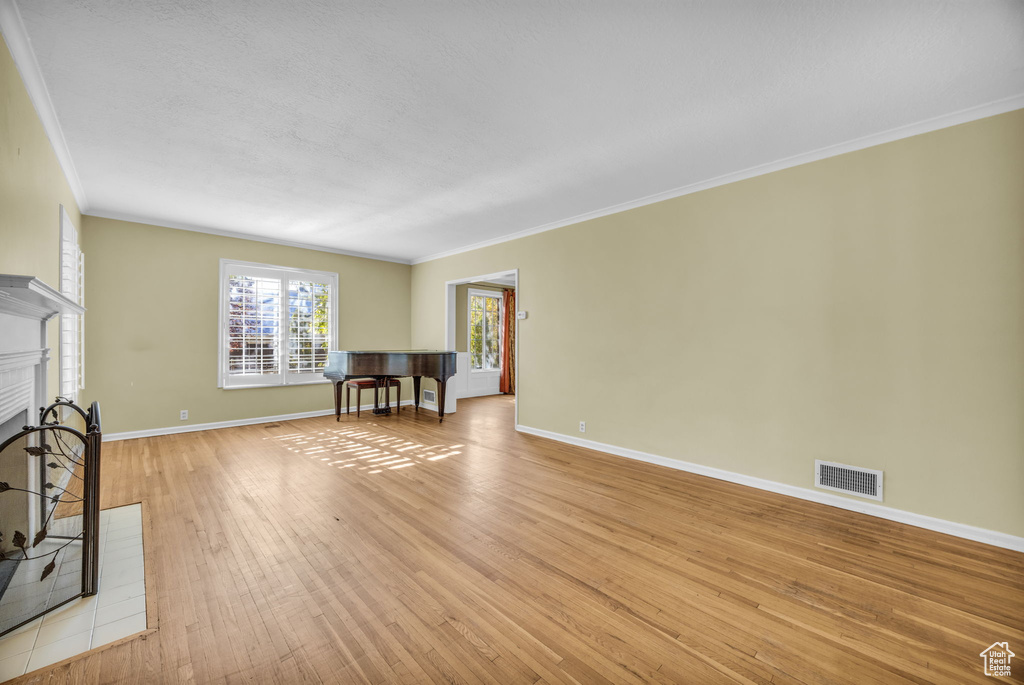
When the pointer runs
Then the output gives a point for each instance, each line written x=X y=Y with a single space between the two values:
x=406 y=129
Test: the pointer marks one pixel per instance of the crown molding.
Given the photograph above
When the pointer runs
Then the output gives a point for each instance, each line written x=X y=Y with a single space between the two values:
x=928 y=125
x=120 y=216
x=20 y=46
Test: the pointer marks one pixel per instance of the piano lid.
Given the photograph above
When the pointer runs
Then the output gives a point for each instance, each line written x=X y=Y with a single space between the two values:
x=344 y=364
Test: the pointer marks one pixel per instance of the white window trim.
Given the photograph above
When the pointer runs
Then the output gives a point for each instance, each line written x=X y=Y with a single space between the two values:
x=498 y=295
x=69 y=235
x=284 y=273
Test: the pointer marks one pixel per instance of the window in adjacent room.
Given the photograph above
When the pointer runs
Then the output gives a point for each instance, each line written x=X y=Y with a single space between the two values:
x=484 y=330
x=276 y=324
x=72 y=326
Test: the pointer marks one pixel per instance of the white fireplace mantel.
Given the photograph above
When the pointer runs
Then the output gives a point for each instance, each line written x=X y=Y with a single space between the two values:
x=29 y=297
x=26 y=304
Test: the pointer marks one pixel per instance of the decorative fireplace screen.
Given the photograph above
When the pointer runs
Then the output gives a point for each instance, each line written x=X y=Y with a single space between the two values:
x=49 y=513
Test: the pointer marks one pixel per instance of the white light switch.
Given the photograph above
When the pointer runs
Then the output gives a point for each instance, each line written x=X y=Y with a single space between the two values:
x=521 y=314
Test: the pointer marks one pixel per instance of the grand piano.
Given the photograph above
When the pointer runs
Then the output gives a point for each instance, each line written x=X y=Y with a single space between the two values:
x=383 y=365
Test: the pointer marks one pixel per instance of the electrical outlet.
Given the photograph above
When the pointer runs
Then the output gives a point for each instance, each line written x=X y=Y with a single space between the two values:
x=583 y=426
x=184 y=414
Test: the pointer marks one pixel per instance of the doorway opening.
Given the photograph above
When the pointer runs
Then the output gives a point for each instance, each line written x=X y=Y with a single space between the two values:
x=482 y=327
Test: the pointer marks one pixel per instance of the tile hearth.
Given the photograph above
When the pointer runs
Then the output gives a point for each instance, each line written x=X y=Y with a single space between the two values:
x=117 y=611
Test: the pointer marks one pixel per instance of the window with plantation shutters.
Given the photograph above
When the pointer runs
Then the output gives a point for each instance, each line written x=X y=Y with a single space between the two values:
x=277 y=324
x=308 y=325
x=72 y=326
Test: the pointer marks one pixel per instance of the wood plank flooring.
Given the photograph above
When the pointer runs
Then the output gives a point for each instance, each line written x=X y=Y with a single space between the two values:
x=395 y=550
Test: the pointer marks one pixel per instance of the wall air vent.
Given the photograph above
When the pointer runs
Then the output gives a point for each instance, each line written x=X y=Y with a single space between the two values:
x=430 y=396
x=851 y=480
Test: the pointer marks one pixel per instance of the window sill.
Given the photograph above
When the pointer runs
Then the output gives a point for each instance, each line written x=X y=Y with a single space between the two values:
x=322 y=381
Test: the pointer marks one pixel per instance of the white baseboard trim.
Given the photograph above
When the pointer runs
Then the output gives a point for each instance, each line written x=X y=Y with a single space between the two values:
x=960 y=530
x=194 y=427
x=477 y=394
x=432 y=406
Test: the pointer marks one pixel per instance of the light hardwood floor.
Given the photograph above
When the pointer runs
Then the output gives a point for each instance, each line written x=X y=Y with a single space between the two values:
x=397 y=550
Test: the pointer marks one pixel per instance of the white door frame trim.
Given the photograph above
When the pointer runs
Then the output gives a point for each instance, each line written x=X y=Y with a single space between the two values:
x=449 y=317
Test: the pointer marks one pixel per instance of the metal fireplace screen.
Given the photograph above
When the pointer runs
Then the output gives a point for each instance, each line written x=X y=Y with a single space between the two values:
x=49 y=513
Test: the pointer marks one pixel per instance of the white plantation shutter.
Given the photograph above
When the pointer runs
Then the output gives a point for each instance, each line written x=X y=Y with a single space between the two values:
x=308 y=326
x=277 y=324
x=72 y=326
x=254 y=328
x=81 y=320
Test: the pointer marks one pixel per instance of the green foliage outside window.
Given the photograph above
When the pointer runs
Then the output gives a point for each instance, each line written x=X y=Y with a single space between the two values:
x=309 y=320
x=485 y=332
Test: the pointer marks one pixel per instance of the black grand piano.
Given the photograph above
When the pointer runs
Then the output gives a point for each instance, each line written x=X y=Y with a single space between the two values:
x=383 y=365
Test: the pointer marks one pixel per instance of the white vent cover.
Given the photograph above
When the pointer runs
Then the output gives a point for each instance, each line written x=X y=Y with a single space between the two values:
x=852 y=480
x=430 y=396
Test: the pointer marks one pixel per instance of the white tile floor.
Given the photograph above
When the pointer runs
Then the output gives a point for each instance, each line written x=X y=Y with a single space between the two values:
x=116 y=611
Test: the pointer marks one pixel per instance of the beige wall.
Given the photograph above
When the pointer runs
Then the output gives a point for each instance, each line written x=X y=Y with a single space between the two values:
x=32 y=189
x=151 y=336
x=866 y=309
x=462 y=312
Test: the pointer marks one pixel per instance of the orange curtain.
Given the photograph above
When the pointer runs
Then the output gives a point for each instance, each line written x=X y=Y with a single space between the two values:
x=507 y=382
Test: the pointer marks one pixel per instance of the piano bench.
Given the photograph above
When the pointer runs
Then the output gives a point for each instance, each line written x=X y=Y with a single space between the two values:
x=361 y=384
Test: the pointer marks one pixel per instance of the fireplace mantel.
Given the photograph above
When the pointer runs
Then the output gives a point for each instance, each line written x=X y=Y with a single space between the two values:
x=26 y=304
x=29 y=297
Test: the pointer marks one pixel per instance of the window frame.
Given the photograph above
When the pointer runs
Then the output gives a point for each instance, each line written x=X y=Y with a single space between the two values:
x=284 y=274
x=495 y=294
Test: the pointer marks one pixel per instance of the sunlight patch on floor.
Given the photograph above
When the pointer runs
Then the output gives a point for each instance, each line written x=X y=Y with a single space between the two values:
x=363 y=450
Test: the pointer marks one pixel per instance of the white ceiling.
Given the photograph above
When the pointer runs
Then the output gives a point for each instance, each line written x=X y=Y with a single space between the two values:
x=405 y=129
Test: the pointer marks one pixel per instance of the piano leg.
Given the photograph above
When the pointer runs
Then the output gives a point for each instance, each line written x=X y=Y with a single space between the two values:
x=440 y=399
x=337 y=400
x=416 y=391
